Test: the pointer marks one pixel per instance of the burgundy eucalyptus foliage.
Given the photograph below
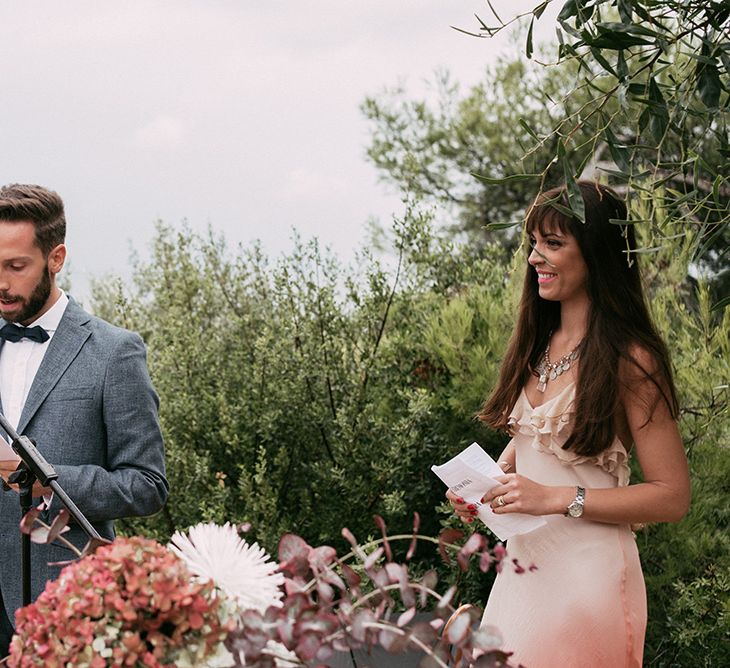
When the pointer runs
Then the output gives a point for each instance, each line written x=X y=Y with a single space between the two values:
x=366 y=599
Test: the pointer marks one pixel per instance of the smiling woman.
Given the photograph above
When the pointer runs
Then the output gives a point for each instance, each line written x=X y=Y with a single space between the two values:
x=586 y=381
x=561 y=269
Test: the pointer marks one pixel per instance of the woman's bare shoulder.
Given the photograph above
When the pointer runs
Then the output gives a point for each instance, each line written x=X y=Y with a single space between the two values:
x=644 y=383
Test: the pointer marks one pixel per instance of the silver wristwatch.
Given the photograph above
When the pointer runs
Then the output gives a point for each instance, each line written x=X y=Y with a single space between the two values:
x=575 y=509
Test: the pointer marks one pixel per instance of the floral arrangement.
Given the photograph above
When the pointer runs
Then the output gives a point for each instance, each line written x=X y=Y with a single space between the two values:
x=211 y=599
x=130 y=603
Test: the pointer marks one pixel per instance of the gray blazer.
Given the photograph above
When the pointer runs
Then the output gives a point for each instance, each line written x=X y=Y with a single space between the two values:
x=92 y=412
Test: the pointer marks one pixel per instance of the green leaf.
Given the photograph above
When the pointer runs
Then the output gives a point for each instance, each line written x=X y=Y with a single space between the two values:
x=708 y=242
x=644 y=251
x=502 y=226
x=716 y=189
x=528 y=45
x=709 y=86
x=628 y=28
x=719 y=17
x=621 y=221
x=571 y=30
x=568 y=213
x=623 y=70
x=619 y=153
x=658 y=114
x=537 y=12
x=717 y=306
x=625 y=10
x=575 y=199
x=615 y=40
x=596 y=53
x=636 y=89
x=528 y=129
x=514 y=178
x=569 y=10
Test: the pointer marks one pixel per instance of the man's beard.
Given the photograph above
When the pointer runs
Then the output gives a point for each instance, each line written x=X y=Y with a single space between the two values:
x=34 y=303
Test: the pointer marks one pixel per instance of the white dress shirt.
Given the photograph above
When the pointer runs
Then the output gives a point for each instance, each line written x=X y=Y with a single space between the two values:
x=20 y=360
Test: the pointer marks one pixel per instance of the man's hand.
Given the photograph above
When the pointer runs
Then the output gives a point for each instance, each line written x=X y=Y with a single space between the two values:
x=8 y=467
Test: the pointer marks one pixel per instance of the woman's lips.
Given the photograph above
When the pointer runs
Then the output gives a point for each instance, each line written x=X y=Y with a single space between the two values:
x=545 y=277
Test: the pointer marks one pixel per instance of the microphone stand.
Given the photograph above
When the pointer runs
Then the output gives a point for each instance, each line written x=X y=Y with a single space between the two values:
x=33 y=466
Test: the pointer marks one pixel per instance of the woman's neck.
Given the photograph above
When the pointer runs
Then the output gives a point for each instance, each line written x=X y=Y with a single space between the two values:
x=574 y=320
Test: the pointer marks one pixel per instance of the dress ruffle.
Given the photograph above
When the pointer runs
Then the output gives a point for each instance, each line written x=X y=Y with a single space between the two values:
x=549 y=426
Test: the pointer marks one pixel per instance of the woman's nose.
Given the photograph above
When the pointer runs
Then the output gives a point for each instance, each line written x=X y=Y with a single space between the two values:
x=534 y=257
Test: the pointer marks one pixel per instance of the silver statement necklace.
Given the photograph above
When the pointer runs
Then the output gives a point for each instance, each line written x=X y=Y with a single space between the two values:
x=547 y=370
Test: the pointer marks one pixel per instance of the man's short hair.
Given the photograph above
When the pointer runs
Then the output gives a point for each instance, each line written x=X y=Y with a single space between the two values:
x=39 y=205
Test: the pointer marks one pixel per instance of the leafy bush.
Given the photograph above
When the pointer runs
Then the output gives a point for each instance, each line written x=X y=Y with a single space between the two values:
x=301 y=396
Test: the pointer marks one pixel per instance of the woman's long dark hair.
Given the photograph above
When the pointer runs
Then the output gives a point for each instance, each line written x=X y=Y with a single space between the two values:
x=618 y=321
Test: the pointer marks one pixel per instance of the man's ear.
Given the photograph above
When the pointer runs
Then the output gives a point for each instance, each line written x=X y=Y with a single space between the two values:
x=56 y=258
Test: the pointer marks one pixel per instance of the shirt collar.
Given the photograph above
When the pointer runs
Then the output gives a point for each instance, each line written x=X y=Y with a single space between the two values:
x=50 y=319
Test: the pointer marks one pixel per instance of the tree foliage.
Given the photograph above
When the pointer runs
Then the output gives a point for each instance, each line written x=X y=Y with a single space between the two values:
x=299 y=395
x=667 y=64
x=434 y=147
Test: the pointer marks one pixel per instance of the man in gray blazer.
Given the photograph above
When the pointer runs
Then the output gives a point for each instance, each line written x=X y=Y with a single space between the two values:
x=78 y=386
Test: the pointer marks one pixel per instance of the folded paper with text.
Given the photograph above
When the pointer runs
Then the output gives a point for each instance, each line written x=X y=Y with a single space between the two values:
x=471 y=474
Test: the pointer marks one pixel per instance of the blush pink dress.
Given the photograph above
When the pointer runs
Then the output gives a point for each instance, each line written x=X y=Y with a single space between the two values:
x=585 y=605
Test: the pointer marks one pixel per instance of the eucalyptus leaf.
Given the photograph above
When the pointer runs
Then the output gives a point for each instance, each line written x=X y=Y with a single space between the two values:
x=569 y=10
x=721 y=304
x=632 y=221
x=562 y=209
x=575 y=199
x=615 y=41
x=646 y=251
x=618 y=151
x=538 y=11
x=505 y=179
x=709 y=86
x=716 y=188
x=628 y=28
x=528 y=129
x=625 y=10
x=602 y=61
x=658 y=115
x=502 y=226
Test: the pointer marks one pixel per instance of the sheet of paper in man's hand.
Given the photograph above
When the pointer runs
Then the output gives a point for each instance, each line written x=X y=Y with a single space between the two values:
x=471 y=475
x=6 y=452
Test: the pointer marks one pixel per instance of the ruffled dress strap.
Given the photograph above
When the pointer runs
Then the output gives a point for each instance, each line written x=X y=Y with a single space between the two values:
x=549 y=426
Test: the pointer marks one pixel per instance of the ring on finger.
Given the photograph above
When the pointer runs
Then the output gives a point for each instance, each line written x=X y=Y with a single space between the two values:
x=500 y=500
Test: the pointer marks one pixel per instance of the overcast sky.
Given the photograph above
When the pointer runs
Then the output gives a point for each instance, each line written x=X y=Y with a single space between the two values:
x=241 y=114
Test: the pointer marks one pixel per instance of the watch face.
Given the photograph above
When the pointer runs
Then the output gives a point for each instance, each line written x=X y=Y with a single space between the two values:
x=575 y=509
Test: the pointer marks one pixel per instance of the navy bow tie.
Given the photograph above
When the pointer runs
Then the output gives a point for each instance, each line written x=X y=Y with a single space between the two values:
x=11 y=332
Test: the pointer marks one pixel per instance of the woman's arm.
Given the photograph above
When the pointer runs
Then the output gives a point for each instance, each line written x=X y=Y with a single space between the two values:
x=663 y=496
